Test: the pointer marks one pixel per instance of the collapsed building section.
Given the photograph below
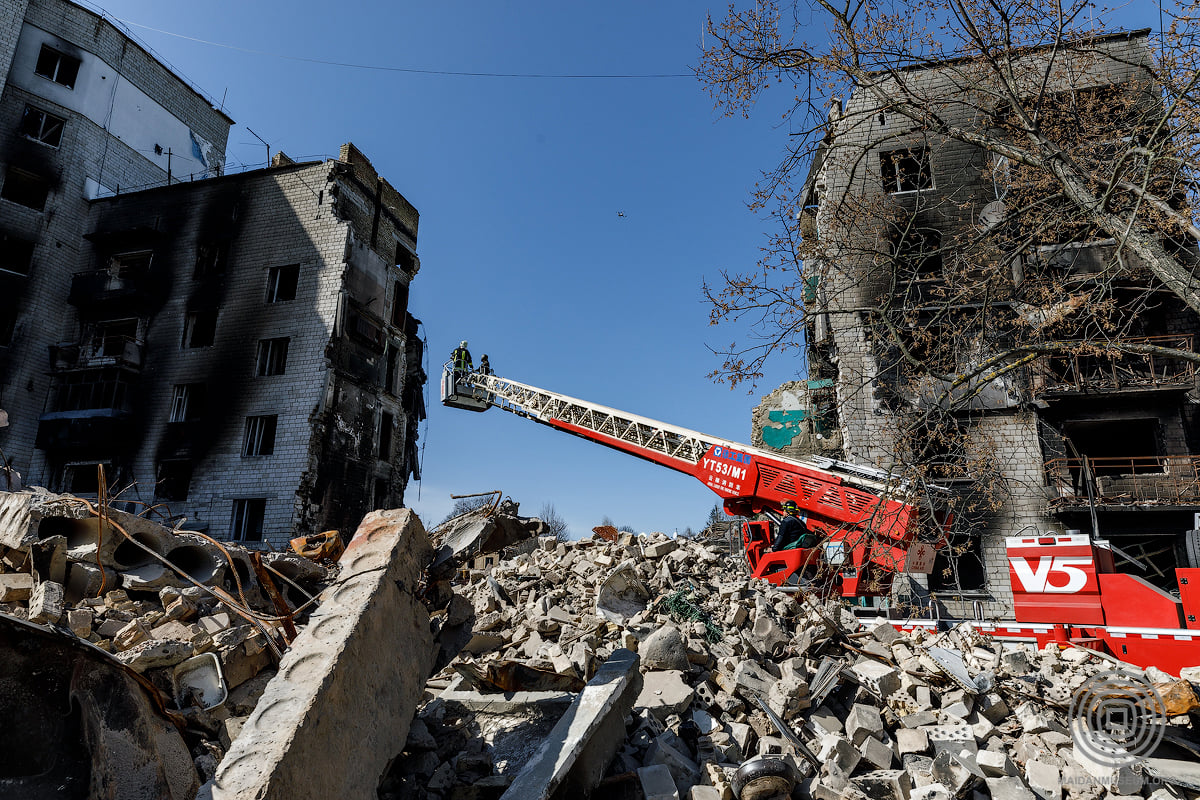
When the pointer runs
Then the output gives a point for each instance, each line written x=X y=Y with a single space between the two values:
x=205 y=331
x=1030 y=369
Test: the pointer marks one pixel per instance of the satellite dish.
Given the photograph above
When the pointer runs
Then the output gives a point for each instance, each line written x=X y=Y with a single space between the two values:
x=992 y=215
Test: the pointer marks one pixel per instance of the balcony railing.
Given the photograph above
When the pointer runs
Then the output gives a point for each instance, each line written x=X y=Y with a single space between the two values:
x=1072 y=372
x=109 y=351
x=1152 y=480
x=99 y=287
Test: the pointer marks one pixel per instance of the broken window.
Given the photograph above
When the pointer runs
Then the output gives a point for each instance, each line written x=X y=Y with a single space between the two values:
x=58 y=67
x=379 y=497
x=110 y=338
x=386 y=423
x=16 y=254
x=905 y=170
x=187 y=402
x=210 y=259
x=260 y=435
x=272 y=356
x=87 y=389
x=281 y=283
x=199 y=329
x=247 y=522
x=42 y=126
x=173 y=480
x=365 y=329
x=25 y=188
x=8 y=323
x=918 y=254
x=405 y=260
x=393 y=364
x=1116 y=446
x=399 y=303
x=81 y=478
x=131 y=263
x=959 y=567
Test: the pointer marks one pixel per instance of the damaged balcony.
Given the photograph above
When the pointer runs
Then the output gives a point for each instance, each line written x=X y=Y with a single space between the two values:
x=118 y=287
x=109 y=351
x=91 y=410
x=1160 y=481
x=1077 y=374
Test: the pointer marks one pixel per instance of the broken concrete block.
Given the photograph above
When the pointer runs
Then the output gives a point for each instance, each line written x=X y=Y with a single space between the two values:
x=879 y=679
x=15 y=586
x=877 y=752
x=155 y=653
x=863 y=721
x=840 y=752
x=214 y=623
x=657 y=783
x=79 y=620
x=1009 y=788
x=370 y=617
x=46 y=603
x=1044 y=779
x=664 y=692
x=659 y=549
x=911 y=740
x=705 y=793
x=884 y=784
x=995 y=764
x=667 y=749
x=788 y=697
x=664 y=650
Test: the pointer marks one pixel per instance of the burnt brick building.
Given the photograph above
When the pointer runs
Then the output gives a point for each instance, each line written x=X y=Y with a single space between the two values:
x=1080 y=439
x=235 y=349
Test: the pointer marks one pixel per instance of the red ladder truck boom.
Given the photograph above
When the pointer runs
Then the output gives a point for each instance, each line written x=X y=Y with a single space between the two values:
x=869 y=520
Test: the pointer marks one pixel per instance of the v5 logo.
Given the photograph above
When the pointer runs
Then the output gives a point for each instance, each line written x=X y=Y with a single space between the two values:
x=1037 y=580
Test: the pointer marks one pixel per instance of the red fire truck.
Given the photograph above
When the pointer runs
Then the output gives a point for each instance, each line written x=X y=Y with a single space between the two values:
x=874 y=526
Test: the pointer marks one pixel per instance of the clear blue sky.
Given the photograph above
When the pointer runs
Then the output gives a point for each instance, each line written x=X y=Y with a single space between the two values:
x=518 y=182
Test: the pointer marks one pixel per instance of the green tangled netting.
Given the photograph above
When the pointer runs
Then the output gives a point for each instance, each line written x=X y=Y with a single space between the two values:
x=680 y=606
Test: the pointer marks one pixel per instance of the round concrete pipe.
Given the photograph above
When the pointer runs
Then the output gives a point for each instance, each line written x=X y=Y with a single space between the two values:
x=201 y=564
x=128 y=555
x=86 y=537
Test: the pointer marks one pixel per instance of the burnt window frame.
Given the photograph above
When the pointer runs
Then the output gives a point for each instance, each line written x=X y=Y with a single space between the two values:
x=272 y=357
x=56 y=73
x=9 y=313
x=28 y=185
x=892 y=174
x=280 y=281
x=9 y=244
x=247 y=519
x=166 y=487
x=51 y=137
x=260 y=435
x=387 y=437
x=211 y=259
x=187 y=402
x=191 y=322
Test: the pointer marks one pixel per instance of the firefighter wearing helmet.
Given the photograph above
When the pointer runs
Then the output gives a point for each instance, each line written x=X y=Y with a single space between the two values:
x=792 y=532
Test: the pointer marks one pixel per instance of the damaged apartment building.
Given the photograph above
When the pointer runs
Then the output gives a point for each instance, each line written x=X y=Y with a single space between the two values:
x=901 y=298
x=234 y=349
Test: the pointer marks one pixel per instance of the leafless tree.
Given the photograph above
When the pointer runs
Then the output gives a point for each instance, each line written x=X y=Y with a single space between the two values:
x=1060 y=233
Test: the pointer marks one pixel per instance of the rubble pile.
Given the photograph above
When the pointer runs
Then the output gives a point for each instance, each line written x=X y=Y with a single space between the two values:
x=754 y=693
x=201 y=622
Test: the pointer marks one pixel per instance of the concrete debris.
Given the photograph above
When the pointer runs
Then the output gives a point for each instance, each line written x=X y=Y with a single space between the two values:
x=145 y=608
x=745 y=689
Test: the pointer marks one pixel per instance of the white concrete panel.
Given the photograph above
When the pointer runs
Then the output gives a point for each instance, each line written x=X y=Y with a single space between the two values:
x=106 y=98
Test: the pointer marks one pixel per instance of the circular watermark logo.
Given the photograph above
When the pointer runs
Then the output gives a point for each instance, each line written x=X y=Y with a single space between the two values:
x=1117 y=718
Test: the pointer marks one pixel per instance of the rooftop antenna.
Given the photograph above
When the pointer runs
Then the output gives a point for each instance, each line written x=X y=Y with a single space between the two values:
x=264 y=141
